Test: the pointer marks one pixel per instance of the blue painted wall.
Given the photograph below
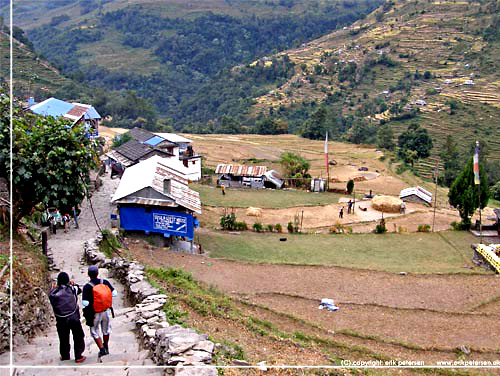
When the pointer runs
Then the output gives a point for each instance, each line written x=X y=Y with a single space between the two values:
x=159 y=221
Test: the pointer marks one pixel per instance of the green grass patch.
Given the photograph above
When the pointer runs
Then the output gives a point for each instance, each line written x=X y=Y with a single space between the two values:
x=109 y=243
x=263 y=198
x=493 y=203
x=415 y=253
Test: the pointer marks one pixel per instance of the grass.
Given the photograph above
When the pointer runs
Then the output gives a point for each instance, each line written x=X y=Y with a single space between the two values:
x=263 y=198
x=494 y=203
x=415 y=253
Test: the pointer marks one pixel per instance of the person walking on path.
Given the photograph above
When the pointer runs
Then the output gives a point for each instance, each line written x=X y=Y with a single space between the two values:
x=64 y=300
x=97 y=300
x=341 y=212
x=349 y=206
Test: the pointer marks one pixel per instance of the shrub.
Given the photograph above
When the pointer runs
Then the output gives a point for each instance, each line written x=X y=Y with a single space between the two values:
x=424 y=228
x=257 y=227
x=380 y=227
x=495 y=191
x=241 y=226
x=228 y=222
x=350 y=186
x=278 y=227
x=402 y=230
x=289 y=227
x=270 y=228
x=460 y=226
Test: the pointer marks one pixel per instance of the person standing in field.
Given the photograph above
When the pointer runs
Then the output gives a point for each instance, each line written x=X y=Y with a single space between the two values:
x=341 y=212
x=97 y=300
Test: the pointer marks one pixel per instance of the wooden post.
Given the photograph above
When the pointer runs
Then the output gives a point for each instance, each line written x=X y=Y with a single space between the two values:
x=44 y=242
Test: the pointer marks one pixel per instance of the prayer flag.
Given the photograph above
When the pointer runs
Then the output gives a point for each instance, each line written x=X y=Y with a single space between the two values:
x=476 y=164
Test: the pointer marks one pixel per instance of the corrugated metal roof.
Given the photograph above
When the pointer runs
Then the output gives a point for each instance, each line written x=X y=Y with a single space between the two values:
x=56 y=107
x=239 y=170
x=152 y=173
x=417 y=191
x=172 y=137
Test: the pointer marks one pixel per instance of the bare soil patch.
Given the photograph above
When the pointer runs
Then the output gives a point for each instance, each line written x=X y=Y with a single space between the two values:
x=390 y=314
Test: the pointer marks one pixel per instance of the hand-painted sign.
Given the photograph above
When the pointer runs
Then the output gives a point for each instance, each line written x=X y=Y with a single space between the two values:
x=169 y=222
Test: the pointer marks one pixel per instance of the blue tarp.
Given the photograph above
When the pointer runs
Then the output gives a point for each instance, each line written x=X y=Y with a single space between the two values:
x=157 y=220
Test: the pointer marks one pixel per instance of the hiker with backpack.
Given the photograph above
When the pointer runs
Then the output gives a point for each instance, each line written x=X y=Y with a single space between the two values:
x=64 y=300
x=97 y=300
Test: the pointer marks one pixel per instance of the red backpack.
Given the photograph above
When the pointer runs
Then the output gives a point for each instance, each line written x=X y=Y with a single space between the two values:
x=103 y=298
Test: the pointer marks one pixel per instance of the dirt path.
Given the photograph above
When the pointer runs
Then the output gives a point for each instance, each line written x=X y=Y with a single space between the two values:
x=68 y=250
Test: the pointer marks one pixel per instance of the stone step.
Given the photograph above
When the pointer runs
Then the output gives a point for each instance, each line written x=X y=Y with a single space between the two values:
x=81 y=371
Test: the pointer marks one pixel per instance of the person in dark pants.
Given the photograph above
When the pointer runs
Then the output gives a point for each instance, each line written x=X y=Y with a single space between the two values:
x=341 y=212
x=64 y=300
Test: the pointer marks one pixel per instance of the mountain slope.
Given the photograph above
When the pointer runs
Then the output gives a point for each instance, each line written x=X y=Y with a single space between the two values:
x=437 y=63
x=172 y=52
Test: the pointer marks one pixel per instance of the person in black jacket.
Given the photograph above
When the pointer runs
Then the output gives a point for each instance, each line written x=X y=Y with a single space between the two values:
x=64 y=300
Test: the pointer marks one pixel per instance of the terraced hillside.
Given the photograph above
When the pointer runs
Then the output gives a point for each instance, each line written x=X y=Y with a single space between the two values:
x=31 y=74
x=440 y=59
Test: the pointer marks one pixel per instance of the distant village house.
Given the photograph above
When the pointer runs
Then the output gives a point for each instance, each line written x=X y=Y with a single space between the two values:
x=77 y=113
x=176 y=150
x=237 y=176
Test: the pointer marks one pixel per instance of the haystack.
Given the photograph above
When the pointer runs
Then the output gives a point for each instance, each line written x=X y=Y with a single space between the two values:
x=386 y=204
x=254 y=212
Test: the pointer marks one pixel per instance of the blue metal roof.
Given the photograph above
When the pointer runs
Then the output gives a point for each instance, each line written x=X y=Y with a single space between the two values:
x=153 y=141
x=92 y=114
x=52 y=107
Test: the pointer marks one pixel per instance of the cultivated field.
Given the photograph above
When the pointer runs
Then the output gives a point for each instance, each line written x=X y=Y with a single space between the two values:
x=403 y=296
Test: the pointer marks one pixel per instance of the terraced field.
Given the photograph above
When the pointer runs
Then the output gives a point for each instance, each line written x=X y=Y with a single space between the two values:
x=443 y=38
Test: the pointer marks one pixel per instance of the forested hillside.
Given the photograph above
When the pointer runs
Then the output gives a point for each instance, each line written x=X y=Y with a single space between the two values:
x=180 y=56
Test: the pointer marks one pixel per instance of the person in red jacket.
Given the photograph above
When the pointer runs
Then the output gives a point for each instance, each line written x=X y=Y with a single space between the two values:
x=97 y=301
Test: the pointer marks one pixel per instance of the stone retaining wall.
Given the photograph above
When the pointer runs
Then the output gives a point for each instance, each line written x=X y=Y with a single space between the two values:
x=169 y=345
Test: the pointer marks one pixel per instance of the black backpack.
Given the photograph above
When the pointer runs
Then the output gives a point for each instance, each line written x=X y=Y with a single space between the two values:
x=64 y=301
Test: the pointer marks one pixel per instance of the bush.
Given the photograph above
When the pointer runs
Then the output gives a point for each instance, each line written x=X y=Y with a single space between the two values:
x=270 y=228
x=424 y=228
x=350 y=186
x=380 y=227
x=241 y=226
x=495 y=191
x=228 y=222
x=257 y=227
x=289 y=227
x=460 y=226
x=278 y=227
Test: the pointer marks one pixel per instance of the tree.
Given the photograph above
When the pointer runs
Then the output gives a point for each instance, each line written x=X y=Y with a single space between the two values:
x=314 y=128
x=451 y=161
x=361 y=132
x=294 y=166
x=120 y=140
x=385 y=137
x=465 y=196
x=417 y=139
x=350 y=186
x=51 y=160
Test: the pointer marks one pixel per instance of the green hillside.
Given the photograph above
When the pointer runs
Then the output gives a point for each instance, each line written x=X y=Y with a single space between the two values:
x=180 y=55
x=31 y=74
x=436 y=63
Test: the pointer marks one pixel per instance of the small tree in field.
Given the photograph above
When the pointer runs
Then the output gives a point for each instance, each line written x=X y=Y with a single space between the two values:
x=350 y=186
x=465 y=196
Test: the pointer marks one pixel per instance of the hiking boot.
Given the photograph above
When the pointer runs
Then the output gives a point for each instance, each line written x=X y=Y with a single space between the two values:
x=102 y=352
x=107 y=349
x=81 y=360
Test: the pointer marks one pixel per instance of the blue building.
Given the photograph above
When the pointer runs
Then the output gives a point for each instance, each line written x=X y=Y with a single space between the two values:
x=155 y=198
x=77 y=113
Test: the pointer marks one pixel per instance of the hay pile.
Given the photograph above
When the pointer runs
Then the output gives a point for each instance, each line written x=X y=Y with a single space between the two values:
x=386 y=204
x=254 y=212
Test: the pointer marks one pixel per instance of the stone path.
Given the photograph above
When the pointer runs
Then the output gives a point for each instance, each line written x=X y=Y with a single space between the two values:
x=67 y=249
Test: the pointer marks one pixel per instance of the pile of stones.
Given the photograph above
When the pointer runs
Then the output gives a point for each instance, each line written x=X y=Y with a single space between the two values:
x=169 y=345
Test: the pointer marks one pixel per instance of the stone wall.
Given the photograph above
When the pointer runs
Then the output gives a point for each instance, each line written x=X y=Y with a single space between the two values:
x=169 y=345
x=4 y=322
